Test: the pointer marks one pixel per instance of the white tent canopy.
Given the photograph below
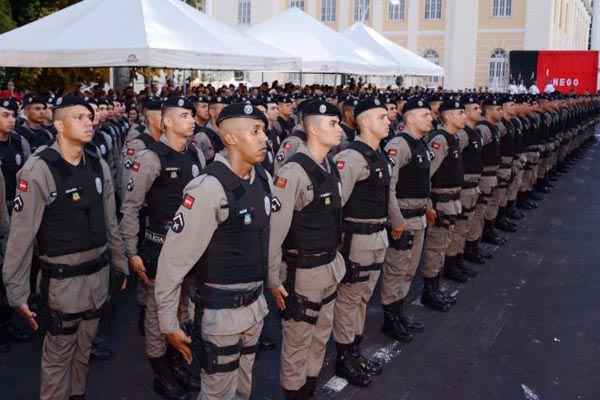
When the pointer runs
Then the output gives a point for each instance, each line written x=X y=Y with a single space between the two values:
x=321 y=49
x=153 y=33
x=408 y=62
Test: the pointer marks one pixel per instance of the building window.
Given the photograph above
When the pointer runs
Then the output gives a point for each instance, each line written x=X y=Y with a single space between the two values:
x=396 y=10
x=498 y=69
x=432 y=56
x=502 y=8
x=198 y=4
x=433 y=9
x=244 y=12
x=328 y=10
x=297 y=3
x=361 y=10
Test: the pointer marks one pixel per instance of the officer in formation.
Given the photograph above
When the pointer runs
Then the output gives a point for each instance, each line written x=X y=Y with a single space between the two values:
x=222 y=230
x=158 y=176
x=33 y=129
x=65 y=203
x=316 y=235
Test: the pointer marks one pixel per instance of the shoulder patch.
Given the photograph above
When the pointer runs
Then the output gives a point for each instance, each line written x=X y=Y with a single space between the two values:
x=178 y=223
x=18 y=203
x=280 y=182
x=188 y=201
x=130 y=151
x=392 y=152
x=136 y=166
x=23 y=185
x=340 y=164
x=287 y=146
x=435 y=145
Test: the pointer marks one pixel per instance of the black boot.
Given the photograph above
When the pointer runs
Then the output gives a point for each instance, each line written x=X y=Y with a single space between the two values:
x=512 y=212
x=182 y=371
x=393 y=326
x=534 y=196
x=370 y=366
x=165 y=383
x=490 y=235
x=409 y=323
x=503 y=223
x=433 y=297
x=470 y=272
x=472 y=253
x=348 y=367
x=141 y=319
x=309 y=388
x=523 y=202
x=452 y=270
x=541 y=187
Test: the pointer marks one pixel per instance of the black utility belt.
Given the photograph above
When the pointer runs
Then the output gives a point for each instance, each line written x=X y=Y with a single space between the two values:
x=154 y=237
x=353 y=271
x=444 y=197
x=297 y=307
x=470 y=185
x=362 y=228
x=55 y=320
x=506 y=166
x=413 y=212
x=64 y=271
x=212 y=298
x=305 y=260
x=489 y=173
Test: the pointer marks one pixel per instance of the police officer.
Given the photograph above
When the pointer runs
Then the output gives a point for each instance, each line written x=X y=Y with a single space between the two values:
x=32 y=129
x=65 y=202
x=206 y=136
x=348 y=121
x=222 y=229
x=305 y=267
x=285 y=121
x=447 y=178
x=294 y=142
x=491 y=158
x=158 y=177
x=365 y=176
x=409 y=212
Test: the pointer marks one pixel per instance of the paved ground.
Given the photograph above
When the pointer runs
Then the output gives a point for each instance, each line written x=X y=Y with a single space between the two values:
x=527 y=328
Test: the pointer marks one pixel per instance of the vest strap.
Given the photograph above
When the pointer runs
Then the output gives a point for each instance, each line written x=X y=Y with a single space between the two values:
x=217 y=299
x=64 y=271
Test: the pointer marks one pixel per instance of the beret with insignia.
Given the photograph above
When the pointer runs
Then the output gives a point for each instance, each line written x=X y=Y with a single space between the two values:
x=320 y=107
x=34 y=99
x=178 y=102
x=153 y=103
x=241 y=110
x=368 y=104
x=9 y=103
x=414 y=103
x=72 y=101
x=451 y=104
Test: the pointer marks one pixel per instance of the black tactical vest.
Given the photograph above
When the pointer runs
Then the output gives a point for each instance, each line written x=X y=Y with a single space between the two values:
x=491 y=151
x=518 y=138
x=317 y=227
x=238 y=250
x=100 y=142
x=286 y=126
x=269 y=162
x=450 y=174
x=74 y=221
x=35 y=137
x=471 y=154
x=214 y=138
x=507 y=145
x=369 y=198
x=349 y=132
x=165 y=195
x=12 y=158
x=413 y=178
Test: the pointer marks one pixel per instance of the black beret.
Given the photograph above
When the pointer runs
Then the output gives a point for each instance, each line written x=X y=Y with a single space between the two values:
x=470 y=99
x=178 y=102
x=10 y=103
x=285 y=99
x=491 y=101
x=34 y=99
x=90 y=100
x=351 y=102
x=153 y=103
x=269 y=99
x=72 y=101
x=451 y=104
x=388 y=99
x=368 y=104
x=414 y=103
x=241 y=110
x=436 y=97
x=199 y=99
x=320 y=107
x=219 y=100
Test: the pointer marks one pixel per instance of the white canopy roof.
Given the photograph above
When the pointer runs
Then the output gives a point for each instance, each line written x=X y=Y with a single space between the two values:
x=153 y=33
x=408 y=62
x=321 y=49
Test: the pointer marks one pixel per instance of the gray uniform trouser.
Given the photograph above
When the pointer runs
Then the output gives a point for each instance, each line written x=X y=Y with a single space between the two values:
x=65 y=362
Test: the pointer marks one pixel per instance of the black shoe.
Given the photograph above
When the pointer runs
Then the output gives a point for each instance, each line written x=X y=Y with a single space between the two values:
x=165 y=383
x=525 y=204
x=433 y=298
x=410 y=324
x=505 y=225
x=512 y=212
x=472 y=253
x=266 y=343
x=535 y=196
x=370 y=366
x=182 y=371
x=347 y=366
x=490 y=235
x=101 y=350
x=470 y=272
x=452 y=271
x=4 y=339
x=141 y=319
x=393 y=326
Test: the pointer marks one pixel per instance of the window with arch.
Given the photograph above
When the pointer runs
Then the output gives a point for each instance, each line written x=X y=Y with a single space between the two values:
x=498 y=68
x=396 y=10
x=433 y=9
x=361 y=10
x=432 y=56
x=244 y=12
x=502 y=8
x=297 y=3
x=328 y=10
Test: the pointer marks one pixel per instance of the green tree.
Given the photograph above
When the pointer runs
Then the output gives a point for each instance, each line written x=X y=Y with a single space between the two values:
x=6 y=21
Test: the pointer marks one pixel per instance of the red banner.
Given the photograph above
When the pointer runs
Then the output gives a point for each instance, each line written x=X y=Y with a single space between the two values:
x=568 y=71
